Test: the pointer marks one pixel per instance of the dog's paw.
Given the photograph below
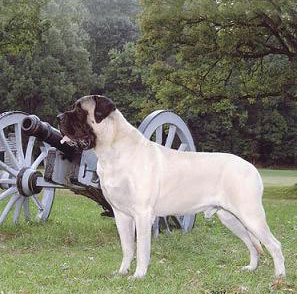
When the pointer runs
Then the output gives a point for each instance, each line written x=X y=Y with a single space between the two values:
x=248 y=268
x=280 y=275
x=136 y=276
x=115 y=274
x=119 y=273
x=123 y=272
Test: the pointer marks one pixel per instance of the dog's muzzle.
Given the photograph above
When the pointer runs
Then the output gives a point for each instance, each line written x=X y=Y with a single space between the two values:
x=84 y=142
x=81 y=143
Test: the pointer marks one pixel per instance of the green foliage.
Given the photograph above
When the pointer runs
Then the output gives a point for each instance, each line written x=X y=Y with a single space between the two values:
x=110 y=24
x=122 y=82
x=57 y=72
x=63 y=59
x=229 y=68
x=20 y=25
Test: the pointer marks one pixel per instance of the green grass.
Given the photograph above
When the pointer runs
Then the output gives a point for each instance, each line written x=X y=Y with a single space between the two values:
x=272 y=177
x=77 y=250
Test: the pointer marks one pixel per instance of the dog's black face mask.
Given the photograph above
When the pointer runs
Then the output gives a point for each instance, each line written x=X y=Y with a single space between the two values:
x=74 y=125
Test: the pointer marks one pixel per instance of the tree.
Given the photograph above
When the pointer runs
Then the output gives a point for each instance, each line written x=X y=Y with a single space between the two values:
x=110 y=24
x=57 y=72
x=21 y=26
x=122 y=80
x=227 y=66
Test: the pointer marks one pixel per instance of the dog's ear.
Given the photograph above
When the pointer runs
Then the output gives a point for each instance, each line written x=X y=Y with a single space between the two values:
x=103 y=107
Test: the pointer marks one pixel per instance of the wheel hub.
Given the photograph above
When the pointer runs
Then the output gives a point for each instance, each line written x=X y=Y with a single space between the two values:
x=27 y=181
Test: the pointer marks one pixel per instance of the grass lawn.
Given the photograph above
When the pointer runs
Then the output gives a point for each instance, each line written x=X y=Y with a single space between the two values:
x=272 y=177
x=77 y=250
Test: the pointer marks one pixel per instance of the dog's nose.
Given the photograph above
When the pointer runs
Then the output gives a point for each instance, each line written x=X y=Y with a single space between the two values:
x=60 y=116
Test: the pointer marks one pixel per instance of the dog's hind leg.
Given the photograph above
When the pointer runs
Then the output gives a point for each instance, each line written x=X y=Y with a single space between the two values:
x=236 y=227
x=256 y=223
x=256 y=243
x=126 y=228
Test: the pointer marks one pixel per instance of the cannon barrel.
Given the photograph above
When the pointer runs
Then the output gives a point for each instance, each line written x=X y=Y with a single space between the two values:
x=33 y=126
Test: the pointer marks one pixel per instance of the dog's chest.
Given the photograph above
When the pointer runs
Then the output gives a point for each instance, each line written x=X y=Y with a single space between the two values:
x=115 y=185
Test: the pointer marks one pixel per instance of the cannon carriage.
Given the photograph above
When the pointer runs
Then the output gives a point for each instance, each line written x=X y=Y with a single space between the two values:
x=34 y=163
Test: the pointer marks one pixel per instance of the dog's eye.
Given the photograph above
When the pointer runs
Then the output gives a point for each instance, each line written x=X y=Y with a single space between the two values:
x=81 y=114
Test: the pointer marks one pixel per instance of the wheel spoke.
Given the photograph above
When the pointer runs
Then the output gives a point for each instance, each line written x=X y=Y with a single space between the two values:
x=8 y=181
x=18 y=141
x=8 y=150
x=188 y=222
x=26 y=209
x=39 y=159
x=48 y=197
x=183 y=147
x=8 y=192
x=9 y=205
x=18 y=207
x=7 y=168
x=37 y=203
x=164 y=222
x=178 y=221
x=29 y=151
x=156 y=227
x=170 y=137
x=159 y=133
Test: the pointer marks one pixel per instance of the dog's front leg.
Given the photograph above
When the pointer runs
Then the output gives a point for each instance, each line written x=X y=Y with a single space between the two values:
x=143 y=232
x=126 y=228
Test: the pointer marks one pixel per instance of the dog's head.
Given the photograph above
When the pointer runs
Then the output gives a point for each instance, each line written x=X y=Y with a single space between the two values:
x=78 y=125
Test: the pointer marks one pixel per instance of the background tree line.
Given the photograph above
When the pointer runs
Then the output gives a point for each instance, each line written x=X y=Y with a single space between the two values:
x=229 y=68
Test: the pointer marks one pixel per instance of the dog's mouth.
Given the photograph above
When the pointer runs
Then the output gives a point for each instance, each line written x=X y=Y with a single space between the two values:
x=83 y=143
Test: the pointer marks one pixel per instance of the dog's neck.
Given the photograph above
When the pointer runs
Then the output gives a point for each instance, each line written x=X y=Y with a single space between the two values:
x=113 y=133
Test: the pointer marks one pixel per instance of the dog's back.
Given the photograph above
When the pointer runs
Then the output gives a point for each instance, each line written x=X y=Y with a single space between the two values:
x=196 y=180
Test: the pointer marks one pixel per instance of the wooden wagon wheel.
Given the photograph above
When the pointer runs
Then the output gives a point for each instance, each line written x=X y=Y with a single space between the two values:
x=20 y=163
x=168 y=129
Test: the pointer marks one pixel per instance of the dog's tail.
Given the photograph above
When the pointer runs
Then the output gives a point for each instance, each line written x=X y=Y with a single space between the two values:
x=256 y=243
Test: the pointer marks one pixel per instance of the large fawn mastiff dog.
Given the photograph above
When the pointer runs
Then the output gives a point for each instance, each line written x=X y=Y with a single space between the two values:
x=142 y=180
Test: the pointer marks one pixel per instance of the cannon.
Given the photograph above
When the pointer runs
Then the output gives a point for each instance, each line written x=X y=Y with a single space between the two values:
x=34 y=163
